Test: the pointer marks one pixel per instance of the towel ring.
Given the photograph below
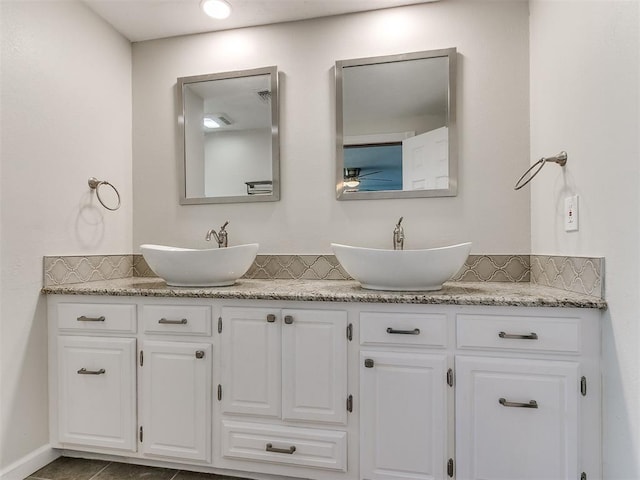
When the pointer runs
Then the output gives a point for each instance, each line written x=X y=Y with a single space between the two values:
x=95 y=184
x=560 y=159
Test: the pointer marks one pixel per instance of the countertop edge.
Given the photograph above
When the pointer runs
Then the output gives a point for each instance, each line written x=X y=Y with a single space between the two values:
x=343 y=291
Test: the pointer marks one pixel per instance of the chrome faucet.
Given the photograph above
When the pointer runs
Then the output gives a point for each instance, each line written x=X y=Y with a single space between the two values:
x=221 y=237
x=398 y=236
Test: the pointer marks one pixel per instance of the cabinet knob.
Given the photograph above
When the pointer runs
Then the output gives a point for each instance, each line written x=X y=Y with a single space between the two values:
x=199 y=354
x=369 y=363
x=271 y=318
x=288 y=319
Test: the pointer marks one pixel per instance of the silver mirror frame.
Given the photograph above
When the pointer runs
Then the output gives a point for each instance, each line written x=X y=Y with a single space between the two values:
x=452 y=191
x=272 y=71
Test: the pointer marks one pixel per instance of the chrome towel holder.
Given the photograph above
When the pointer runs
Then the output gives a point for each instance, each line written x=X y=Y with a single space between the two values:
x=560 y=159
x=95 y=184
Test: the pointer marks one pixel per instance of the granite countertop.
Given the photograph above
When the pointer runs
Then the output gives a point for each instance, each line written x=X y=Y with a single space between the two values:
x=452 y=293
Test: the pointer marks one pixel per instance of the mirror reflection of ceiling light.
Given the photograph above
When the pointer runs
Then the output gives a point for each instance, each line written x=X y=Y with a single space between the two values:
x=218 y=9
x=210 y=123
x=216 y=120
x=351 y=182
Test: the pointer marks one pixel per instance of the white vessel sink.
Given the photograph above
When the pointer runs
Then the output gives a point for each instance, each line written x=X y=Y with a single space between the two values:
x=187 y=267
x=402 y=270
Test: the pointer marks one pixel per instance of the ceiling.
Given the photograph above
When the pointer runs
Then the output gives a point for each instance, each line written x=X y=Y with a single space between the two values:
x=140 y=20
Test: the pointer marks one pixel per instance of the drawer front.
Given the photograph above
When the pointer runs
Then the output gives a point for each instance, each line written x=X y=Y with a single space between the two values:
x=424 y=330
x=176 y=319
x=306 y=447
x=510 y=332
x=97 y=317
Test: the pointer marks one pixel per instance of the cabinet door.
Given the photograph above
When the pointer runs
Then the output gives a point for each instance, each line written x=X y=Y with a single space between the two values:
x=403 y=416
x=176 y=400
x=516 y=419
x=314 y=369
x=97 y=392
x=251 y=376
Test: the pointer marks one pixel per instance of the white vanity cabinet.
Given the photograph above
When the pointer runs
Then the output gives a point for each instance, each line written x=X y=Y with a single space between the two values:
x=93 y=376
x=175 y=381
x=284 y=386
x=522 y=383
x=517 y=419
x=328 y=391
x=527 y=394
x=96 y=396
x=404 y=398
x=289 y=364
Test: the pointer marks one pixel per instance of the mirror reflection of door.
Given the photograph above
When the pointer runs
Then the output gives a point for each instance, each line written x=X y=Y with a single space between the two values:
x=425 y=161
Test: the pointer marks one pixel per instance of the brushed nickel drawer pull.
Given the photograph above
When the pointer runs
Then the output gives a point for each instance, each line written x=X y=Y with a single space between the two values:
x=288 y=451
x=415 y=331
x=505 y=403
x=84 y=371
x=91 y=319
x=530 y=336
x=165 y=321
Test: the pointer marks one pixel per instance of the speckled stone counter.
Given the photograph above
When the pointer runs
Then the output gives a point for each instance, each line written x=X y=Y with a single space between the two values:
x=453 y=293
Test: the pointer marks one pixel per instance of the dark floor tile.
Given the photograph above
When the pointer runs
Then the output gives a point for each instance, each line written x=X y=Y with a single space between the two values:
x=67 y=468
x=125 y=471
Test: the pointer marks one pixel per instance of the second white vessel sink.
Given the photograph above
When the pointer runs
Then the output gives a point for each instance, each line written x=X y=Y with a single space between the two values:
x=188 y=267
x=402 y=270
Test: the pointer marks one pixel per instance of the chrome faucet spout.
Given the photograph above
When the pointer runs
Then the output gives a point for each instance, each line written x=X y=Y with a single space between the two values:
x=222 y=237
x=398 y=236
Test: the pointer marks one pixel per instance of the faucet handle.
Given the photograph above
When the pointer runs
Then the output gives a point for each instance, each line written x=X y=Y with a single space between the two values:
x=223 y=226
x=399 y=222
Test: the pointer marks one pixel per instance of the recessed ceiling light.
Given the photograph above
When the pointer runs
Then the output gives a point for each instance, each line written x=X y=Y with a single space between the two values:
x=216 y=8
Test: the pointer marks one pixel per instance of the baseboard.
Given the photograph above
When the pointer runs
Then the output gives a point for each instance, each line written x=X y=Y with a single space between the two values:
x=21 y=469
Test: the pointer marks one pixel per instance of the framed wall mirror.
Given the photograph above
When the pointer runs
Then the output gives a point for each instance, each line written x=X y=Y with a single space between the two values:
x=395 y=126
x=228 y=125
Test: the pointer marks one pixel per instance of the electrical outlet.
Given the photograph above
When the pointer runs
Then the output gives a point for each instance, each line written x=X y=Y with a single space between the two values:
x=571 y=213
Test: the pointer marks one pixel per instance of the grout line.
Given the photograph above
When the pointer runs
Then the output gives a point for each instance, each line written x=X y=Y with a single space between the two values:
x=100 y=471
x=31 y=477
x=175 y=475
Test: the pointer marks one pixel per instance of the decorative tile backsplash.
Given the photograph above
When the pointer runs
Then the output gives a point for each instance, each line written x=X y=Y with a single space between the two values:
x=494 y=268
x=79 y=269
x=308 y=267
x=576 y=274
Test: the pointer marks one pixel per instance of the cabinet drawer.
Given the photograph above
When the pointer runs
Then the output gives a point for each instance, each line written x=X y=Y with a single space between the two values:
x=425 y=330
x=97 y=317
x=176 y=319
x=306 y=447
x=510 y=332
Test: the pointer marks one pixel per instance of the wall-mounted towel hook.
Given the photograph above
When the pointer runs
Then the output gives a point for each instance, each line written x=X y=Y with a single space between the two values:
x=560 y=159
x=95 y=184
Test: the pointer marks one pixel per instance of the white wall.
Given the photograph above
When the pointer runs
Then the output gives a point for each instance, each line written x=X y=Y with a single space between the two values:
x=585 y=81
x=66 y=116
x=235 y=157
x=493 y=112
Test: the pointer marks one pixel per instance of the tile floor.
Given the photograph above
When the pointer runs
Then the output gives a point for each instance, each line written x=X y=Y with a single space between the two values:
x=67 y=468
